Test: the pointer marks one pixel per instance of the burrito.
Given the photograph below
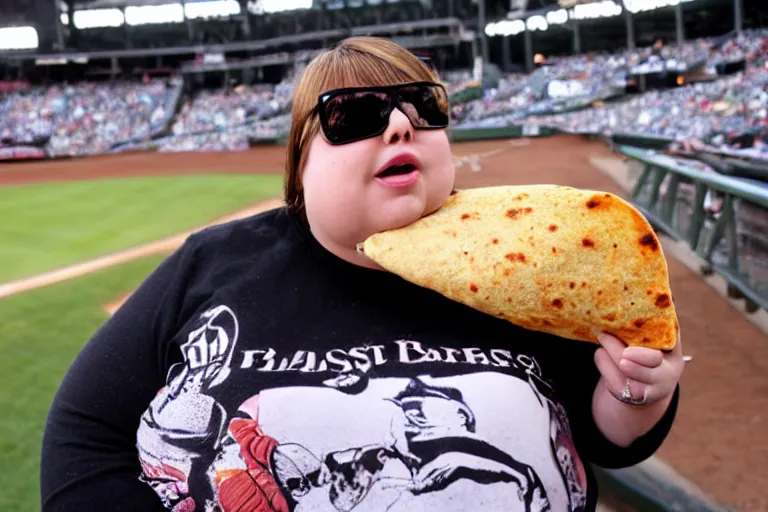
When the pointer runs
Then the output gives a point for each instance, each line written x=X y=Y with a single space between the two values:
x=549 y=258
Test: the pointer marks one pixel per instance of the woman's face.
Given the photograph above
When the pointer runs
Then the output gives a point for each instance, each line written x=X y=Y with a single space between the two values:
x=351 y=191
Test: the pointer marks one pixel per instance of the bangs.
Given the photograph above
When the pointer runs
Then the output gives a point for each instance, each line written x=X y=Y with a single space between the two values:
x=361 y=70
x=361 y=65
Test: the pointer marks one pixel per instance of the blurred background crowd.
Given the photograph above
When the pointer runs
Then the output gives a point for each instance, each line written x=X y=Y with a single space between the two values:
x=584 y=94
x=729 y=112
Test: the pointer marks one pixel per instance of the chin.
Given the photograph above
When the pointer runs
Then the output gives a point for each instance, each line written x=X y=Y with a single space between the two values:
x=401 y=212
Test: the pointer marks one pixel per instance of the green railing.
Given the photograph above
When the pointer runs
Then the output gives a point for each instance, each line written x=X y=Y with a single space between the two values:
x=640 y=140
x=731 y=238
x=502 y=132
x=466 y=95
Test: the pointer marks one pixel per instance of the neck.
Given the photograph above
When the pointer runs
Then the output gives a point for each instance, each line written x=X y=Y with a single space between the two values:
x=346 y=252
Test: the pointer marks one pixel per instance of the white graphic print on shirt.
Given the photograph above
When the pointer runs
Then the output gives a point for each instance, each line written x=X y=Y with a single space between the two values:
x=492 y=438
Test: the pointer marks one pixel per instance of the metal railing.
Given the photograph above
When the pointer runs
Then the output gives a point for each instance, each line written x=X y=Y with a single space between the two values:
x=722 y=218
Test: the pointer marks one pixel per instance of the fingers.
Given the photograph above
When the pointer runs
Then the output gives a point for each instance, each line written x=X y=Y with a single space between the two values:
x=615 y=379
x=638 y=372
x=649 y=373
x=610 y=371
x=637 y=363
x=613 y=346
x=648 y=357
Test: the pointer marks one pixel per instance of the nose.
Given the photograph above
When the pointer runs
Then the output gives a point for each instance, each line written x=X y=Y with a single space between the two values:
x=398 y=129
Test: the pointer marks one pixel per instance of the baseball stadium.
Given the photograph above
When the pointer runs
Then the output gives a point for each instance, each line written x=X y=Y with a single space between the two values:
x=127 y=126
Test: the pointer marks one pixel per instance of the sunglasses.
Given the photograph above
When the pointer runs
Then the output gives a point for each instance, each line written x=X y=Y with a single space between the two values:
x=356 y=113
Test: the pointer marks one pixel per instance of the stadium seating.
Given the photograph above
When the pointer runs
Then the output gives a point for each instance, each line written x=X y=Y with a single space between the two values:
x=578 y=94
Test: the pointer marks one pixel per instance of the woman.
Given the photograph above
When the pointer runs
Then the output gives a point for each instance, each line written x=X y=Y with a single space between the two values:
x=267 y=365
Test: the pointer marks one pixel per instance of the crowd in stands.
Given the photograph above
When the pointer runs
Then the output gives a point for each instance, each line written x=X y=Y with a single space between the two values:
x=580 y=94
x=83 y=119
x=224 y=119
x=716 y=113
x=703 y=111
x=750 y=45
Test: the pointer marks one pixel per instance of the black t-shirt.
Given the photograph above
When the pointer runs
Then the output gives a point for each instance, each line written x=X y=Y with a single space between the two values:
x=255 y=371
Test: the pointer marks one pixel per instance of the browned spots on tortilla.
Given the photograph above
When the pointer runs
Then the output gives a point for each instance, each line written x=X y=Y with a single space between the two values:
x=662 y=301
x=487 y=297
x=610 y=317
x=646 y=340
x=450 y=233
x=507 y=272
x=471 y=259
x=649 y=292
x=599 y=200
x=465 y=253
x=625 y=288
x=522 y=196
x=615 y=281
x=587 y=243
x=589 y=312
x=495 y=241
x=473 y=288
x=615 y=246
x=649 y=240
x=514 y=213
x=554 y=250
x=465 y=216
x=583 y=284
x=512 y=256
x=599 y=292
x=535 y=265
x=557 y=303
x=548 y=323
x=572 y=285
x=639 y=323
x=553 y=227
x=509 y=300
x=581 y=332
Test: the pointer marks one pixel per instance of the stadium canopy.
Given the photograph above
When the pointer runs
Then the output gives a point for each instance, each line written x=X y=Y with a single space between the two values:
x=558 y=12
x=115 y=13
x=18 y=38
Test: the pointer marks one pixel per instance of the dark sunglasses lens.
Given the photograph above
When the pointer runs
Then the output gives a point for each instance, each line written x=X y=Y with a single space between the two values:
x=426 y=106
x=354 y=115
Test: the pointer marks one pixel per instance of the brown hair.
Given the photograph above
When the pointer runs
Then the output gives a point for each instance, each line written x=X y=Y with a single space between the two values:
x=356 y=61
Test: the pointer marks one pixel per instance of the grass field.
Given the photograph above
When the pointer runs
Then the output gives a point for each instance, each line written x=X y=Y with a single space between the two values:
x=40 y=333
x=52 y=225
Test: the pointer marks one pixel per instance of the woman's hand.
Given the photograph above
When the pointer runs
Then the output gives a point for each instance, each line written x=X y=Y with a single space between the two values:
x=638 y=375
x=636 y=388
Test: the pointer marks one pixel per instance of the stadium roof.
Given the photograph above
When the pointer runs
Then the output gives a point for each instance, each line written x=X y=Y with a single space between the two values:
x=523 y=5
x=101 y=4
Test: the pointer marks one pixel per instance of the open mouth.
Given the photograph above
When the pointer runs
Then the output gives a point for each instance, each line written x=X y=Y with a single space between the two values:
x=396 y=170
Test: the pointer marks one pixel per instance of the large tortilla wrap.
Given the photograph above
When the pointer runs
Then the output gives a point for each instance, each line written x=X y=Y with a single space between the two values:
x=548 y=258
